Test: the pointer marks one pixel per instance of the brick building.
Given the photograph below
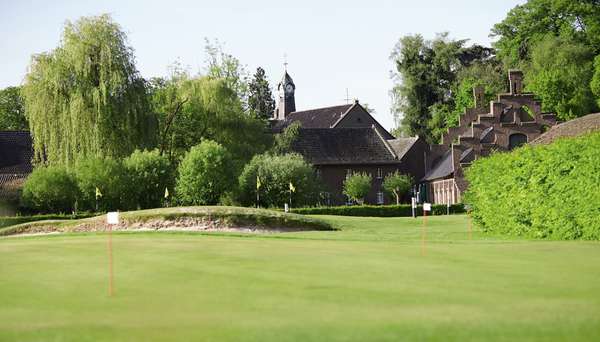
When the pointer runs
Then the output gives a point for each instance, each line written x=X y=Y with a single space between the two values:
x=341 y=140
x=514 y=119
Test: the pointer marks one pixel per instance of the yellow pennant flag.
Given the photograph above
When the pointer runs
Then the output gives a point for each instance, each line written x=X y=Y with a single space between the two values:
x=98 y=193
x=166 y=193
x=258 y=183
x=292 y=187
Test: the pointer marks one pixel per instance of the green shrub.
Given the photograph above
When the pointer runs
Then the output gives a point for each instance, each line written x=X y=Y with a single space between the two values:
x=402 y=210
x=149 y=173
x=110 y=177
x=397 y=184
x=205 y=174
x=50 y=189
x=357 y=186
x=550 y=191
x=276 y=172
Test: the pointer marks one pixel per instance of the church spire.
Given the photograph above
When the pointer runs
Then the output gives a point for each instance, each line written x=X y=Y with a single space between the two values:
x=286 y=102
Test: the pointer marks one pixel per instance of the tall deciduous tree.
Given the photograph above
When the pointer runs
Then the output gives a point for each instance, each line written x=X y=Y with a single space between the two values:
x=260 y=100
x=528 y=24
x=560 y=73
x=12 y=110
x=426 y=73
x=191 y=110
x=224 y=66
x=86 y=98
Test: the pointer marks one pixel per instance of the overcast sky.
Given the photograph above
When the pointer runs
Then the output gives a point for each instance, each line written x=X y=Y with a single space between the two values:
x=330 y=45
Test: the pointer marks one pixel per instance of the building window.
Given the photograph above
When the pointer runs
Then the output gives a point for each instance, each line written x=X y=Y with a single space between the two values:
x=348 y=173
x=380 y=197
x=318 y=173
x=516 y=140
x=379 y=173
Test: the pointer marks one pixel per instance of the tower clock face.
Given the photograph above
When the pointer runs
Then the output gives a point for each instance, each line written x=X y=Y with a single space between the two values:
x=289 y=88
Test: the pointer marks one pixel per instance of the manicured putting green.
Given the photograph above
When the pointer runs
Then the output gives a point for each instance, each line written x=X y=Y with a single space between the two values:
x=365 y=282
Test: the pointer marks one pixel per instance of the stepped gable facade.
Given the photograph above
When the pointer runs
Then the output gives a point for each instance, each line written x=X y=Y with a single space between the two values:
x=341 y=140
x=514 y=119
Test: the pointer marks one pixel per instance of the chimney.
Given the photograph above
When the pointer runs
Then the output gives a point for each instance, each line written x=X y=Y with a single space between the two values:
x=479 y=96
x=515 y=79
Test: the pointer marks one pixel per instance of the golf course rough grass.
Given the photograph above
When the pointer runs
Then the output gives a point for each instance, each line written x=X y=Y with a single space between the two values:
x=365 y=282
x=183 y=218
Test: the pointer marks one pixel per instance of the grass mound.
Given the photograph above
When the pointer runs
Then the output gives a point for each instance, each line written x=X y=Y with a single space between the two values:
x=180 y=218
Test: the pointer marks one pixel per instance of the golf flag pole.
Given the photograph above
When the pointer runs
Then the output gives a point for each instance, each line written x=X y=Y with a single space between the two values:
x=167 y=196
x=258 y=185
x=98 y=195
x=292 y=189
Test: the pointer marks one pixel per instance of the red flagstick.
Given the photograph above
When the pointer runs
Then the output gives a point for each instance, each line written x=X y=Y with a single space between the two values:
x=110 y=262
x=424 y=233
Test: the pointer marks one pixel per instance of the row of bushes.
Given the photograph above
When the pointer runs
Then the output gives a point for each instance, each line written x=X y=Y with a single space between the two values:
x=379 y=210
x=138 y=181
x=550 y=191
x=147 y=179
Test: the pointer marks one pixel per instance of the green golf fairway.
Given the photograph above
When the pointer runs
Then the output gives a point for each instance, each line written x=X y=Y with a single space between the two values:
x=366 y=282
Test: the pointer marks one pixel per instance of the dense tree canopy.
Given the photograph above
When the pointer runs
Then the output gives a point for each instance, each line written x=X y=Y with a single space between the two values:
x=260 y=100
x=427 y=75
x=528 y=24
x=191 y=109
x=12 y=110
x=274 y=174
x=560 y=73
x=555 y=43
x=205 y=174
x=86 y=98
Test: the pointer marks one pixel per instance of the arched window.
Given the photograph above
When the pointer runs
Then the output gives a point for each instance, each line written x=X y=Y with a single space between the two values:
x=516 y=140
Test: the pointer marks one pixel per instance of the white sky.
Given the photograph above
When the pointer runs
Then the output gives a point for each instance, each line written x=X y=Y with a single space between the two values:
x=330 y=45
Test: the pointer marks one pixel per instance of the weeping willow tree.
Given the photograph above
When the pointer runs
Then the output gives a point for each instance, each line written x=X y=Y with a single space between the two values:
x=86 y=98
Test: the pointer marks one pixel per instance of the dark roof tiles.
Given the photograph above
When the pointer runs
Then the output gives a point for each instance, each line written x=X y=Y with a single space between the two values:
x=16 y=152
x=343 y=146
x=319 y=117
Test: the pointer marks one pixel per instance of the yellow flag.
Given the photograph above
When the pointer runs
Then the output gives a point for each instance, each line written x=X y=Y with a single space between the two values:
x=292 y=187
x=98 y=193
x=166 y=192
x=258 y=183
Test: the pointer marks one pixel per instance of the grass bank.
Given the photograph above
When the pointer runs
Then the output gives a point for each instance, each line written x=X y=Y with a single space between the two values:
x=366 y=282
x=194 y=218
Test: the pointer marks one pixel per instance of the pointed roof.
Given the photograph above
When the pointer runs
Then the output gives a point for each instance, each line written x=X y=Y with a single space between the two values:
x=402 y=145
x=285 y=80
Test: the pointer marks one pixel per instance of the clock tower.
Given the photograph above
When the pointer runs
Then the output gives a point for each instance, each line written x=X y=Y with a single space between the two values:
x=286 y=102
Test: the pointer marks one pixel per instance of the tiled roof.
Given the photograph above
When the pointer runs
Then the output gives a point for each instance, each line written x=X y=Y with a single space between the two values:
x=343 y=146
x=319 y=117
x=442 y=169
x=571 y=128
x=15 y=152
x=402 y=145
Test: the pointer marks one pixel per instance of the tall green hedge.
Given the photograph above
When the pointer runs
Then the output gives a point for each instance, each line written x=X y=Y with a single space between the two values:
x=550 y=191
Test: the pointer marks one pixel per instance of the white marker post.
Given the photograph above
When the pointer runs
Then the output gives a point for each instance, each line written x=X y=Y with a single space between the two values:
x=112 y=218
x=426 y=208
x=413 y=201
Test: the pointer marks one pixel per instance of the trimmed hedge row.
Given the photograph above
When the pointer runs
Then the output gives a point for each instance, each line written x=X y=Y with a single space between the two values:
x=545 y=192
x=402 y=210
